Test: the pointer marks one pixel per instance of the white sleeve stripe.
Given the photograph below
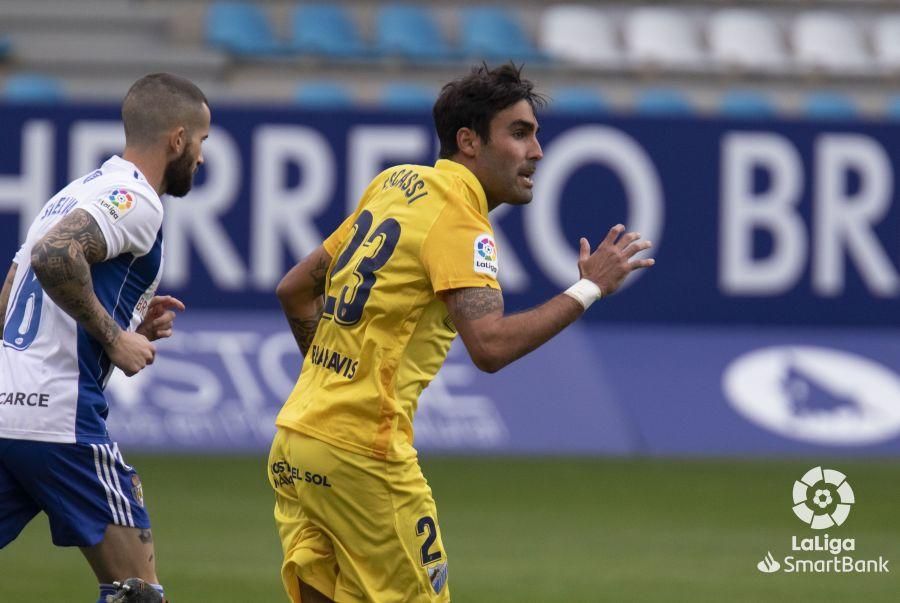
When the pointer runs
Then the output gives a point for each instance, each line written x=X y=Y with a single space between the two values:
x=112 y=467
x=112 y=508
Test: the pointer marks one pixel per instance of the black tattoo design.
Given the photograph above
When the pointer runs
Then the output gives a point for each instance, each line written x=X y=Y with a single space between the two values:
x=304 y=329
x=62 y=260
x=474 y=303
x=318 y=276
x=146 y=537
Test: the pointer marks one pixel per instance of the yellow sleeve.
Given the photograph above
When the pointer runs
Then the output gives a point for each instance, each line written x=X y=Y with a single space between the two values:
x=459 y=250
x=335 y=239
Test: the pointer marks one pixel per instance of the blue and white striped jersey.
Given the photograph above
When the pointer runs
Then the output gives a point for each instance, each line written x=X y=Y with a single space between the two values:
x=52 y=373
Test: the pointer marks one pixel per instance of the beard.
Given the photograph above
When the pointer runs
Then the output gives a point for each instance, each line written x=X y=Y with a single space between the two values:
x=179 y=174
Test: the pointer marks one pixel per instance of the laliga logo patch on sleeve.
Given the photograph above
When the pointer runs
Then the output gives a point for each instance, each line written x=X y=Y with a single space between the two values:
x=486 y=255
x=117 y=203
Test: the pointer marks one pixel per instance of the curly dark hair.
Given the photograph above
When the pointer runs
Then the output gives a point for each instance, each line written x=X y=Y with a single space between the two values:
x=472 y=102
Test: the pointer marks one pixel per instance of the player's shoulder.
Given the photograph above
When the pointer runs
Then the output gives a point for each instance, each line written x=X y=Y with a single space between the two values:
x=118 y=188
x=128 y=185
x=116 y=174
x=118 y=195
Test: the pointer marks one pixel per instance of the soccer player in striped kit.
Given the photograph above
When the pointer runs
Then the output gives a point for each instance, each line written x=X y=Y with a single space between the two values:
x=78 y=301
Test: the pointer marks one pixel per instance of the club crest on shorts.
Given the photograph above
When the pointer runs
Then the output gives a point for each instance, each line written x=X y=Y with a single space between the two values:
x=137 y=490
x=437 y=575
x=486 y=255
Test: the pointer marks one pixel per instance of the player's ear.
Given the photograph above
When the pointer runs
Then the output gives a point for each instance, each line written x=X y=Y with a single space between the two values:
x=177 y=140
x=468 y=142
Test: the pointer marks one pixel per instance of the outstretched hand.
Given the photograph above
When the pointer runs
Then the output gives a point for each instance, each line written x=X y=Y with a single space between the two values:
x=160 y=318
x=613 y=260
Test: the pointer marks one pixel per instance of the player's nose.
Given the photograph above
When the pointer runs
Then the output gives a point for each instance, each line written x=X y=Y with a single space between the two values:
x=537 y=153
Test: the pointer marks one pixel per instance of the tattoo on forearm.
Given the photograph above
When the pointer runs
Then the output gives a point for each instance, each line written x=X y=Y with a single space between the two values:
x=304 y=329
x=474 y=303
x=62 y=260
x=318 y=276
x=145 y=536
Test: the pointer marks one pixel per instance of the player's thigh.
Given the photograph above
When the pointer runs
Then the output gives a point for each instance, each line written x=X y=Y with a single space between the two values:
x=418 y=529
x=307 y=547
x=16 y=506
x=383 y=526
x=124 y=552
x=83 y=488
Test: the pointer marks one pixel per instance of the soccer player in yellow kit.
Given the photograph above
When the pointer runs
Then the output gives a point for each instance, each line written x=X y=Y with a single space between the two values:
x=374 y=310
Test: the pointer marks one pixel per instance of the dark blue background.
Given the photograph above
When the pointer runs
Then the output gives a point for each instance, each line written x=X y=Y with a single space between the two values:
x=682 y=288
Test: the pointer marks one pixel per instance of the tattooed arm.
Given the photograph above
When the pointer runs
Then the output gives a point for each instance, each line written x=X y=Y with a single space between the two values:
x=494 y=340
x=301 y=293
x=61 y=261
x=4 y=295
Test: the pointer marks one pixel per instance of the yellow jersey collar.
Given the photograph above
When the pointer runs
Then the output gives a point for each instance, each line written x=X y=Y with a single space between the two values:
x=446 y=165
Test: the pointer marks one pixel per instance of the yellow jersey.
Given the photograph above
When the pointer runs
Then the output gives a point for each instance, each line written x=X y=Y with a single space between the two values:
x=384 y=333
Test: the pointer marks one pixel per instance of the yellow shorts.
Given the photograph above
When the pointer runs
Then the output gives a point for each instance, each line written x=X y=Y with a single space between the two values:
x=353 y=527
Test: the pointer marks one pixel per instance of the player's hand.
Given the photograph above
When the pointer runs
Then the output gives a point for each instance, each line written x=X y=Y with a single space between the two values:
x=160 y=318
x=613 y=260
x=131 y=352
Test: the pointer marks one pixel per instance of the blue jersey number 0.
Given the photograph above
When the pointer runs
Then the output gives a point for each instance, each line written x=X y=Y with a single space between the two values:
x=23 y=323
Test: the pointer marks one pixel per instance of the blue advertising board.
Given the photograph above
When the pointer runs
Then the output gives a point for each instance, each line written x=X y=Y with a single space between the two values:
x=599 y=389
x=768 y=326
x=753 y=223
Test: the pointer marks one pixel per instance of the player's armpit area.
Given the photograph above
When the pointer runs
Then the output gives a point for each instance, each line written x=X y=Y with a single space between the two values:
x=5 y=293
x=56 y=254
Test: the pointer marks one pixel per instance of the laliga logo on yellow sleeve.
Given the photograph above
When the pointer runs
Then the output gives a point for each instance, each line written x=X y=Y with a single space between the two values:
x=486 y=255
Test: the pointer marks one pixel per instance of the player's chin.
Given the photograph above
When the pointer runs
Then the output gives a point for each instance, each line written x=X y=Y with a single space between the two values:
x=523 y=197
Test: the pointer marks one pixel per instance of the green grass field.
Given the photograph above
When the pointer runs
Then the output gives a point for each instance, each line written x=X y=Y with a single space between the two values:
x=516 y=530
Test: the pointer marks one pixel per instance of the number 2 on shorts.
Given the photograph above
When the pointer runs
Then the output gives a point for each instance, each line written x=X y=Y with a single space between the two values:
x=427 y=523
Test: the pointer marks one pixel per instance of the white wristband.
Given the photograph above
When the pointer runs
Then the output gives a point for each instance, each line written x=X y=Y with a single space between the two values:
x=585 y=292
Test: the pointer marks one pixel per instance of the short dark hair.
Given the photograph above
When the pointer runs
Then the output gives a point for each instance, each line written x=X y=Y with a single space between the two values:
x=472 y=102
x=157 y=103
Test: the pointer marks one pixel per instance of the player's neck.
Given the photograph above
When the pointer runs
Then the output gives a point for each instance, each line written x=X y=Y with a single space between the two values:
x=151 y=165
x=475 y=168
